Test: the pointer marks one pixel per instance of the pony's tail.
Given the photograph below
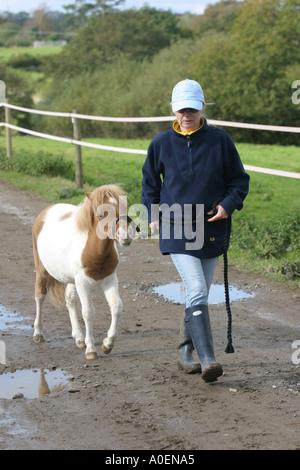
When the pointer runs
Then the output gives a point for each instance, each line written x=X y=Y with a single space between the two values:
x=56 y=291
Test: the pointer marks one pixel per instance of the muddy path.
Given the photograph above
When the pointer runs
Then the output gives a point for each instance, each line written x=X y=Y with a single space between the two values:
x=136 y=398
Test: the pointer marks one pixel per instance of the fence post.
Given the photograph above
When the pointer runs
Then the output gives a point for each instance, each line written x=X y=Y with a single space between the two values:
x=78 y=160
x=8 y=132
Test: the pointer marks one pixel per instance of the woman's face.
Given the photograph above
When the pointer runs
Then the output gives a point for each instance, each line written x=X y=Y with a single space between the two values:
x=188 y=119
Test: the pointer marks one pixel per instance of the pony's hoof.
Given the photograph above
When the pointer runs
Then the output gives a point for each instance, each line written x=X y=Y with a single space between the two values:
x=91 y=356
x=38 y=339
x=106 y=349
x=80 y=344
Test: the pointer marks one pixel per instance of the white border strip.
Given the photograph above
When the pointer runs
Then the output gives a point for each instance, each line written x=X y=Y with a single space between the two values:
x=269 y=171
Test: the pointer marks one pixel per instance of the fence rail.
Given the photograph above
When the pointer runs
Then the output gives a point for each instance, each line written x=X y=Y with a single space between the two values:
x=242 y=125
x=74 y=116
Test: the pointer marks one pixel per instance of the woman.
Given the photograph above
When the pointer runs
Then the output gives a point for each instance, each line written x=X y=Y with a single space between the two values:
x=194 y=165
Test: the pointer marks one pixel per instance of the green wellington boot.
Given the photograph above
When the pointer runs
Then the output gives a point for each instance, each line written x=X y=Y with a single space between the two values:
x=198 y=322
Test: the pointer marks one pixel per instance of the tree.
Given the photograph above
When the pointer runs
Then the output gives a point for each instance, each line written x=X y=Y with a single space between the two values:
x=247 y=72
x=217 y=17
x=78 y=12
x=7 y=32
x=136 y=34
x=40 y=21
x=17 y=18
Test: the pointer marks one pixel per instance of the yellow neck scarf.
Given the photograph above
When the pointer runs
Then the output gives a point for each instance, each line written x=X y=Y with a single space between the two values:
x=177 y=128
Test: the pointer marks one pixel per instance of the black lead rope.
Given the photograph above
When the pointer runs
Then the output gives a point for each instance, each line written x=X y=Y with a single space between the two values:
x=229 y=348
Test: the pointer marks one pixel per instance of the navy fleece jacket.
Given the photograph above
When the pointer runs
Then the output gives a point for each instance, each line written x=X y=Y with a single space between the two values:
x=195 y=169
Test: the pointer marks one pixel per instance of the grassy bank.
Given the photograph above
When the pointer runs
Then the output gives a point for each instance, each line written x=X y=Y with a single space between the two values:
x=265 y=236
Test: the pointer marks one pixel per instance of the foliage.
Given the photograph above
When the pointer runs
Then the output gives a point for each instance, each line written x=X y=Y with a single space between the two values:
x=40 y=163
x=135 y=34
x=243 y=54
x=277 y=239
x=248 y=71
x=68 y=193
x=123 y=88
x=20 y=29
x=39 y=22
x=16 y=18
x=218 y=17
x=7 y=31
x=78 y=12
x=18 y=92
x=25 y=61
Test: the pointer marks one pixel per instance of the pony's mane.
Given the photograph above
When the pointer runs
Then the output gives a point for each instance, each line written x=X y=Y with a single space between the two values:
x=87 y=209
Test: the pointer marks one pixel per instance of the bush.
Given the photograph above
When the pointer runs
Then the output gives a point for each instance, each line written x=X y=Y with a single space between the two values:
x=40 y=163
x=25 y=61
x=277 y=240
x=67 y=193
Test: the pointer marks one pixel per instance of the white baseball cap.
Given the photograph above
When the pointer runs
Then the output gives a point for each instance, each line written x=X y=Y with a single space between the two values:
x=187 y=94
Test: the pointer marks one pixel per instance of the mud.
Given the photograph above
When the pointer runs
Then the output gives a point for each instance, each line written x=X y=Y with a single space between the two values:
x=136 y=398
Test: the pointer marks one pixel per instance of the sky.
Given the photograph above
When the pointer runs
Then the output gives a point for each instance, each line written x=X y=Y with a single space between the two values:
x=191 y=6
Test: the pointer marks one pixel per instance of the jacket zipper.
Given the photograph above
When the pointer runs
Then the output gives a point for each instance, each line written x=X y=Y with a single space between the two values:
x=191 y=163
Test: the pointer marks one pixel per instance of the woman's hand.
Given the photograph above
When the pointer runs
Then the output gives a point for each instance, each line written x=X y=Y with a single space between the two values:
x=221 y=214
x=154 y=226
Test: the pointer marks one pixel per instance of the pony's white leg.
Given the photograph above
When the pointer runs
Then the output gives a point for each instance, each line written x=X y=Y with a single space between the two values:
x=38 y=336
x=83 y=287
x=111 y=291
x=71 y=297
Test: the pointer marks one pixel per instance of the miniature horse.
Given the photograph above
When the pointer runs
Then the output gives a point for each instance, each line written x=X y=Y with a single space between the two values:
x=72 y=254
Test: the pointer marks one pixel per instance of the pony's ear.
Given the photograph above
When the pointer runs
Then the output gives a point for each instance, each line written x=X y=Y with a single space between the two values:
x=88 y=195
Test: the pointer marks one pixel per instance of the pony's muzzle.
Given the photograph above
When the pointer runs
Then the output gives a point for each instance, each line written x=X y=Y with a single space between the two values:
x=125 y=230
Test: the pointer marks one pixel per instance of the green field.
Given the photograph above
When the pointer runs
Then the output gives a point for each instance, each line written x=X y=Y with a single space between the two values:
x=6 y=53
x=271 y=207
x=35 y=77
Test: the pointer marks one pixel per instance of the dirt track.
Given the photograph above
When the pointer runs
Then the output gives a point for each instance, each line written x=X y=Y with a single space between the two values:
x=136 y=398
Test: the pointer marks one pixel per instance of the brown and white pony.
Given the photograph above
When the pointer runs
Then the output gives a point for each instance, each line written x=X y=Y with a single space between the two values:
x=74 y=252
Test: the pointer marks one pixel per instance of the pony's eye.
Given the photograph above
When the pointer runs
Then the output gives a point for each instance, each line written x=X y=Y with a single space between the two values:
x=101 y=213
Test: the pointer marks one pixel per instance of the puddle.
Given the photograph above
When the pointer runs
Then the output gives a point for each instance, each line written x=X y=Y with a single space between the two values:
x=35 y=383
x=175 y=293
x=12 y=319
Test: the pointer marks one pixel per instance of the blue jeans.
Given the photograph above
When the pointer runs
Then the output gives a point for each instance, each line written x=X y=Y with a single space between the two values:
x=197 y=275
